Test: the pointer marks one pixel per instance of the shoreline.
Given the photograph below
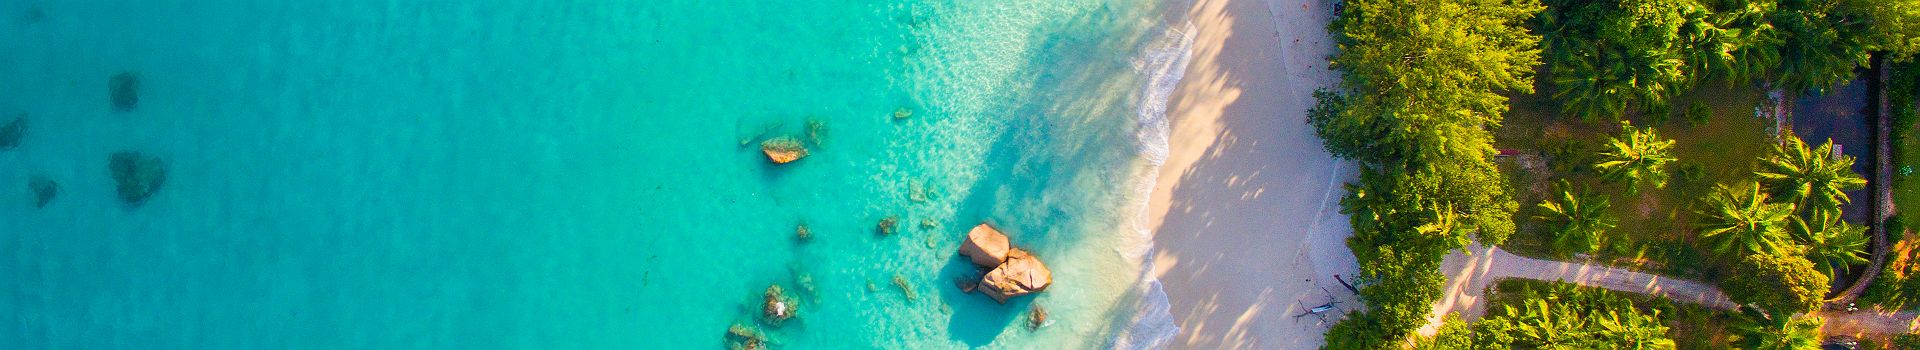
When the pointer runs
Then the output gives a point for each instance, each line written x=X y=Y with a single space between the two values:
x=1243 y=211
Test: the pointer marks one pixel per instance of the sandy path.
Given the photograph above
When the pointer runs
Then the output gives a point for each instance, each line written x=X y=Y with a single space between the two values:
x=1469 y=275
x=1245 y=207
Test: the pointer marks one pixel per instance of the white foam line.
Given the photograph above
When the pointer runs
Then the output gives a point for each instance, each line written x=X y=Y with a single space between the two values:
x=1152 y=325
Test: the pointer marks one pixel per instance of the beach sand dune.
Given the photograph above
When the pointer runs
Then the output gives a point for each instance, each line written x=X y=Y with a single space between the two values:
x=1245 y=211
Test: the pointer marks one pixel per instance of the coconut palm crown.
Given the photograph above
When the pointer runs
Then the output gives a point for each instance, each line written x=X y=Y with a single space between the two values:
x=1740 y=217
x=1636 y=156
x=1815 y=179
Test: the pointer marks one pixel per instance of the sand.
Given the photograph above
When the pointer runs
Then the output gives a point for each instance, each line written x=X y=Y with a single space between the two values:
x=1245 y=215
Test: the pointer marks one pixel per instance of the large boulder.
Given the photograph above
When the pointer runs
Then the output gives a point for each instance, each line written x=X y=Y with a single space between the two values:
x=1022 y=274
x=137 y=175
x=783 y=150
x=986 y=246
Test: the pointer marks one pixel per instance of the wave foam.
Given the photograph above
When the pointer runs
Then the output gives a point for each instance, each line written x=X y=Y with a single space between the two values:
x=1164 y=64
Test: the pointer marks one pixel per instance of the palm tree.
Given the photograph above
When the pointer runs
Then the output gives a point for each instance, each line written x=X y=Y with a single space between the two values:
x=1740 y=217
x=1578 y=218
x=1757 y=331
x=1813 y=179
x=1835 y=245
x=1637 y=155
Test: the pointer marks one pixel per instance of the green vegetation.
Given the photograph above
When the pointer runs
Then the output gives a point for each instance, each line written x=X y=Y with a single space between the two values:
x=1758 y=331
x=1607 y=55
x=1739 y=220
x=1527 y=314
x=1779 y=283
x=1421 y=91
x=1812 y=179
x=1562 y=316
x=1832 y=244
x=1426 y=93
x=1578 y=219
x=1636 y=156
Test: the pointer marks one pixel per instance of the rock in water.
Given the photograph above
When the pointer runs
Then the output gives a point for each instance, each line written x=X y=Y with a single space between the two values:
x=1036 y=317
x=888 y=225
x=803 y=233
x=986 y=246
x=44 y=189
x=783 y=150
x=138 y=175
x=905 y=288
x=125 y=91
x=778 y=307
x=13 y=132
x=741 y=337
x=1022 y=274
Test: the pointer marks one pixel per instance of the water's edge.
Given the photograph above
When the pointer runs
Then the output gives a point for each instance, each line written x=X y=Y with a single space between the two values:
x=1150 y=325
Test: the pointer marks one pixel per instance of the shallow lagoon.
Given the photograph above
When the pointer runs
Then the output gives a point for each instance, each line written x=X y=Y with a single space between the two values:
x=577 y=174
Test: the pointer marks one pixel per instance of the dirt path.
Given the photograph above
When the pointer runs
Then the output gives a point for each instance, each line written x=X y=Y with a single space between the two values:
x=1470 y=273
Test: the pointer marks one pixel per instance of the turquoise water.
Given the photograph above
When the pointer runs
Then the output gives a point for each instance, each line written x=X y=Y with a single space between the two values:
x=575 y=174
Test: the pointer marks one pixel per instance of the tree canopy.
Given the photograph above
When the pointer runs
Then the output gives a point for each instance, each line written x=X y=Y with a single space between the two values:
x=1563 y=316
x=1812 y=178
x=1636 y=156
x=1739 y=219
x=1421 y=90
x=1577 y=218
x=1779 y=283
x=1831 y=244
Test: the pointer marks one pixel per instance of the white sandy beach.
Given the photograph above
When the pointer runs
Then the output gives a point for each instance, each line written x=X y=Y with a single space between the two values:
x=1245 y=210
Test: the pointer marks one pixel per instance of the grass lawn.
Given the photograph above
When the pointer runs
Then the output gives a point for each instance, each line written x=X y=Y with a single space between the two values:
x=1654 y=225
x=1691 y=326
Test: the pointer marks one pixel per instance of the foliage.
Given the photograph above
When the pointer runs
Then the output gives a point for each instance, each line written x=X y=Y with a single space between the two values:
x=1739 y=219
x=1605 y=55
x=1811 y=178
x=1759 y=331
x=1421 y=88
x=1909 y=341
x=1698 y=113
x=1821 y=44
x=1779 y=283
x=1422 y=78
x=1578 y=218
x=1636 y=156
x=1831 y=244
x=1897 y=288
x=1564 y=316
x=1454 y=334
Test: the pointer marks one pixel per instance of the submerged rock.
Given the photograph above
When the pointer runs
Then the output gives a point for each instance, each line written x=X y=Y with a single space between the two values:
x=967 y=284
x=816 y=131
x=888 y=225
x=137 y=175
x=803 y=233
x=13 y=132
x=740 y=337
x=899 y=281
x=778 y=307
x=44 y=189
x=986 y=246
x=1036 y=317
x=124 y=91
x=917 y=192
x=783 y=150
x=902 y=113
x=1021 y=274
